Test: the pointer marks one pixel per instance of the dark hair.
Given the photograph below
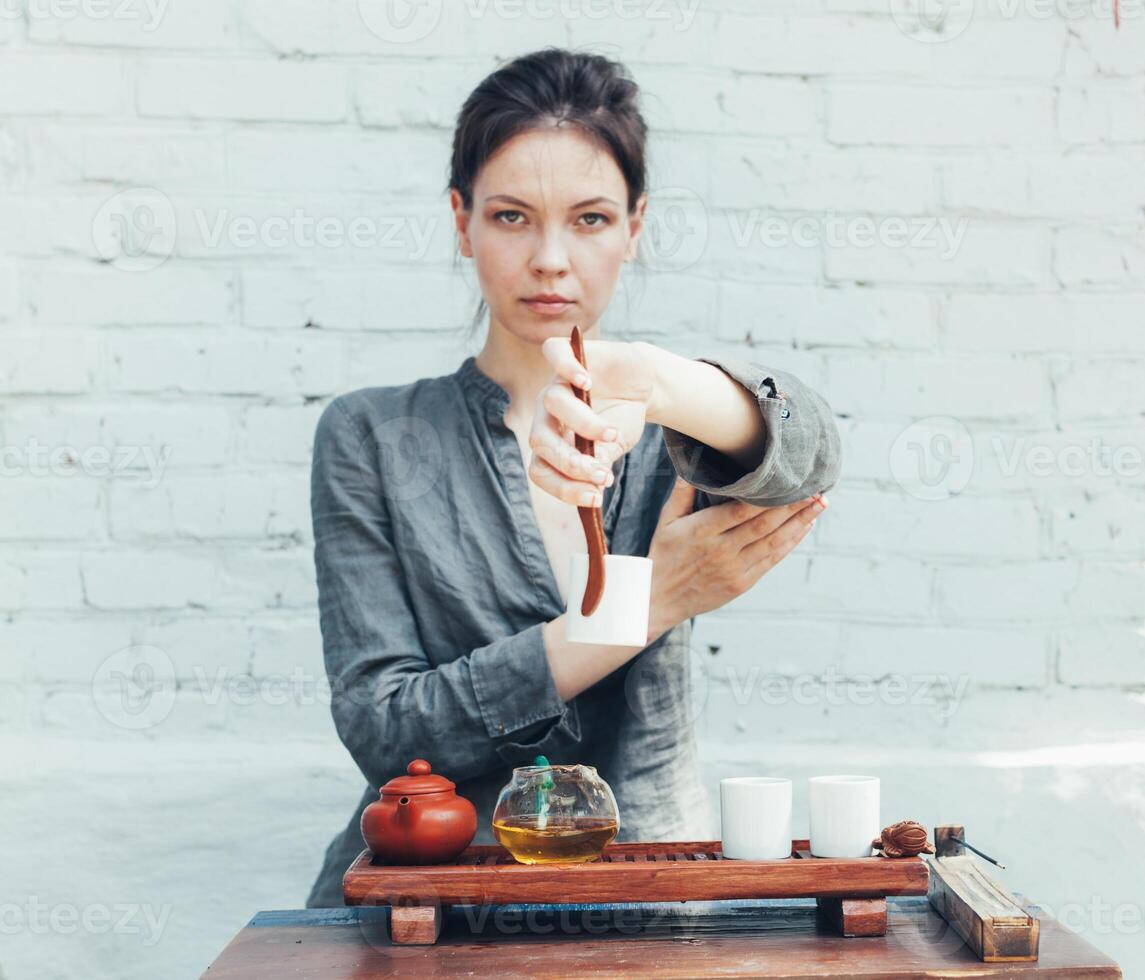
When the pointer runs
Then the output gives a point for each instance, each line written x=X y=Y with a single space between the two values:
x=546 y=89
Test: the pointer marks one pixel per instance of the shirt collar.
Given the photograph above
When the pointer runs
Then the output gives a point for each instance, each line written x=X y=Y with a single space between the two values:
x=481 y=390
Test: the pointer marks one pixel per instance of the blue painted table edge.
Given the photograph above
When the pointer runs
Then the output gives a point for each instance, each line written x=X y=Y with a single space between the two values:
x=356 y=914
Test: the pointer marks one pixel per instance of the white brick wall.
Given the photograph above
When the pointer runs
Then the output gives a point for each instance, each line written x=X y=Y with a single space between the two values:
x=216 y=215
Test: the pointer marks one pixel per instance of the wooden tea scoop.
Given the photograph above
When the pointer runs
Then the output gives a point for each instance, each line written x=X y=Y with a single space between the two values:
x=590 y=517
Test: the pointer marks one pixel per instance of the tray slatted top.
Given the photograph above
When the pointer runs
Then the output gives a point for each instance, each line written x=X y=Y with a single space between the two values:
x=486 y=854
x=671 y=871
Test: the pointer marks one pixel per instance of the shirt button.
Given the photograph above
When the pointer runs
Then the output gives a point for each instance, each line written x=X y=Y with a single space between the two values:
x=785 y=414
x=501 y=728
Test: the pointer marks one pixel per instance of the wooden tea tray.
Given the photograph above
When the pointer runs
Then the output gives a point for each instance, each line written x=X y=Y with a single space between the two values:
x=851 y=892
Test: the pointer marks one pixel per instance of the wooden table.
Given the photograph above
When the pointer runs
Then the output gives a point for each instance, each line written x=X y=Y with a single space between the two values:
x=762 y=938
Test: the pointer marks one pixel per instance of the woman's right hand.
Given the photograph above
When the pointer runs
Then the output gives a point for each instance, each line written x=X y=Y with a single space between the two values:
x=703 y=560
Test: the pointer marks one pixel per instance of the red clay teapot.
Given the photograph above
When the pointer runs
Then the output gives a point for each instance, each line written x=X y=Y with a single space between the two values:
x=419 y=819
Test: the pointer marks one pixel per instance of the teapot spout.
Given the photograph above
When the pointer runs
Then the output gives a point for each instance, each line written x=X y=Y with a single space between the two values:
x=403 y=828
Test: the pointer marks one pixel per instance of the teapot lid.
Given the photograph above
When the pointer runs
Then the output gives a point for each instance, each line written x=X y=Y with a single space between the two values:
x=420 y=779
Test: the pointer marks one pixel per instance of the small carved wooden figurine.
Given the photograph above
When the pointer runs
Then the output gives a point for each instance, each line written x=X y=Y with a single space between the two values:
x=903 y=839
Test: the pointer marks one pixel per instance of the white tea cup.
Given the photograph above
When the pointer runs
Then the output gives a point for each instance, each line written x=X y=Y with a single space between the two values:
x=844 y=815
x=621 y=616
x=755 y=817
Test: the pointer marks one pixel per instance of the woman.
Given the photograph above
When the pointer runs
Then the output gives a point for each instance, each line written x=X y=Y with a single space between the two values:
x=444 y=510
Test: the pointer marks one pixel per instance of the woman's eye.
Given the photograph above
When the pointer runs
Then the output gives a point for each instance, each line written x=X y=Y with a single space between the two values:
x=499 y=215
x=602 y=219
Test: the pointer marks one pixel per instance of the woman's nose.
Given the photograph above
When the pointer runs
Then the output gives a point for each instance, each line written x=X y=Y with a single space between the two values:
x=551 y=256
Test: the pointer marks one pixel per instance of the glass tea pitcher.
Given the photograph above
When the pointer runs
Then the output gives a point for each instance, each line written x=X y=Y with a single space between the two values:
x=548 y=814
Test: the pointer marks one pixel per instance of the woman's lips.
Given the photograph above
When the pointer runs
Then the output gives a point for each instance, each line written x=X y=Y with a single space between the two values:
x=547 y=309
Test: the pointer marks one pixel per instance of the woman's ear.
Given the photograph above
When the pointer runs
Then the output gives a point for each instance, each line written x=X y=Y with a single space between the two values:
x=461 y=222
x=635 y=227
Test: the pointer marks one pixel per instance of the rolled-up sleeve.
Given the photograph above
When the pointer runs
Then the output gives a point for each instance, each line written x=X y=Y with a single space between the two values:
x=490 y=706
x=802 y=451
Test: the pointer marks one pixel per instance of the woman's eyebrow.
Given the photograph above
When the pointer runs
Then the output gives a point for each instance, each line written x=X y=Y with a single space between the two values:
x=509 y=199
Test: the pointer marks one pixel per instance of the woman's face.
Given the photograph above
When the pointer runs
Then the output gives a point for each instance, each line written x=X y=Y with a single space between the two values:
x=549 y=217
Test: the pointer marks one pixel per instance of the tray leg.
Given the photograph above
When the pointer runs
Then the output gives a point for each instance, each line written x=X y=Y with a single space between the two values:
x=416 y=925
x=856 y=916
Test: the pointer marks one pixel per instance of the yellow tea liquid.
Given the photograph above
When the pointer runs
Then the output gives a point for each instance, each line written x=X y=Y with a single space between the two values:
x=559 y=840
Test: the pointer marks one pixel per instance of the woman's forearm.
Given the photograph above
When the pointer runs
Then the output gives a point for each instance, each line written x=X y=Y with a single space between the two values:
x=701 y=401
x=577 y=666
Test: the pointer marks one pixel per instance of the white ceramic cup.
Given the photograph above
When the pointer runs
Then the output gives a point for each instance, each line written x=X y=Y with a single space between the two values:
x=844 y=815
x=755 y=817
x=621 y=617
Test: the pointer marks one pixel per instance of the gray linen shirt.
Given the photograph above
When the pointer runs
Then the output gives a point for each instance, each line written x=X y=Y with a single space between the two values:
x=434 y=585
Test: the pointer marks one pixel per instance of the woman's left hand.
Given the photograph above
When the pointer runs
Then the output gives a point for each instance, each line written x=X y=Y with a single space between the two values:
x=621 y=379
